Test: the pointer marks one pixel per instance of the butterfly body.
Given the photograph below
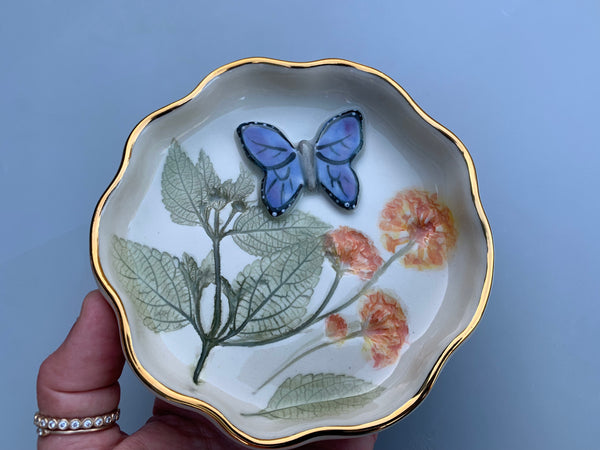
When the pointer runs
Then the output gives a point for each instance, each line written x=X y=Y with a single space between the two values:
x=306 y=150
x=324 y=161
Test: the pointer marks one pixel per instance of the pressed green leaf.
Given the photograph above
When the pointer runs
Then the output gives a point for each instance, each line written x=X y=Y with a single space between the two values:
x=257 y=233
x=207 y=269
x=229 y=294
x=183 y=190
x=273 y=292
x=317 y=395
x=197 y=278
x=207 y=173
x=241 y=188
x=202 y=275
x=213 y=196
x=156 y=284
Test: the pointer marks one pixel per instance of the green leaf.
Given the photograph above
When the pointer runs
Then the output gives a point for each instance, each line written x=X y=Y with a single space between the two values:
x=156 y=284
x=273 y=292
x=232 y=297
x=319 y=395
x=241 y=188
x=183 y=190
x=213 y=195
x=257 y=233
x=207 y=269
x=207 y=173
x=199 y=276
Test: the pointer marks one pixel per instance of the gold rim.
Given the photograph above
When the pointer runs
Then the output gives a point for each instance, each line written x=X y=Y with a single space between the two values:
x=205 y=407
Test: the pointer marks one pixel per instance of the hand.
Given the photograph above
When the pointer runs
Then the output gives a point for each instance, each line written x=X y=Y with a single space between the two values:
x=81 y=379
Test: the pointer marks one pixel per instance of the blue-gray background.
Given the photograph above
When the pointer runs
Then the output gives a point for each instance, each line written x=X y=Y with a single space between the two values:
x=517 y=81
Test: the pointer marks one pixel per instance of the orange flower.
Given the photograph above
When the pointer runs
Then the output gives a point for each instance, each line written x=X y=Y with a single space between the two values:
x=384 y=328
x=418 y=216
x=353 y=252
x=336 y=327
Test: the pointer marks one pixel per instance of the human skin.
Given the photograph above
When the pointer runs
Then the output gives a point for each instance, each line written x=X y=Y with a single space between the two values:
x=81 y=379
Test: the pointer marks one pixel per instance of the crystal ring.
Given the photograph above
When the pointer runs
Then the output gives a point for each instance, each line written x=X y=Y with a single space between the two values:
x=61 y=425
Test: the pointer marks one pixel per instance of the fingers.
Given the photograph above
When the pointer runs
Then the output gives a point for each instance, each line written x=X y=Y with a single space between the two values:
x=193 y=430
x=174 y=427
x=355 y=443
x=80 y=379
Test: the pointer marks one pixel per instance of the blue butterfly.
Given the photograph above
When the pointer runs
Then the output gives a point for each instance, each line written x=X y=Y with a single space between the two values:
x=324 y=161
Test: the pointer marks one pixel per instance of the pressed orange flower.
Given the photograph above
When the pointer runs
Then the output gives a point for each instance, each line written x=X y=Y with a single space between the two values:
x=418 y=216
x=336 y=327
x=353 y=252
x=384 y=328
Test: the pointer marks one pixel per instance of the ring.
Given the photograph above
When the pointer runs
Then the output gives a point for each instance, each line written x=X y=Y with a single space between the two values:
x=61 y=425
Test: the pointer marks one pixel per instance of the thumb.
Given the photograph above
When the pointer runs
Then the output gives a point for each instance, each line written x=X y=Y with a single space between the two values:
x=80 y=379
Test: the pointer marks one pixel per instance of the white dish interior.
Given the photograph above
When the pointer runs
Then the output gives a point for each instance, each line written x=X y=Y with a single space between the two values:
x=401 y=151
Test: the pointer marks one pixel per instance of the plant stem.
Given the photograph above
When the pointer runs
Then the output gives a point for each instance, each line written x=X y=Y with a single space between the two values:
x=207 y=346
x=371 y=282
x=232 y=214
x=316 y=317
x=302 y=355
x=216 y=240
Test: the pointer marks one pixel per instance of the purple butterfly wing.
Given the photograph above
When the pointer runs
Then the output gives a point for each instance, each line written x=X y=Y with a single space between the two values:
x=281 y=187
x=272 y=152
x=341 y=138
x=338 y=143
x=340 y=183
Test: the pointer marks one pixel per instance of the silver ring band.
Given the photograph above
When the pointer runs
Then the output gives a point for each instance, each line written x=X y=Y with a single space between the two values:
x=60 y=425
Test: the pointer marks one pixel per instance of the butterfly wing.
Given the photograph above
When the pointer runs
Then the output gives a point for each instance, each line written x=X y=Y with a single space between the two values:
x=337 y=145
x=266 y=146
x=340 y=182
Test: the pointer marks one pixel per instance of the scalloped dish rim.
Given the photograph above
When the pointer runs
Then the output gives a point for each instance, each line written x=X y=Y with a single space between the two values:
x=212 y=412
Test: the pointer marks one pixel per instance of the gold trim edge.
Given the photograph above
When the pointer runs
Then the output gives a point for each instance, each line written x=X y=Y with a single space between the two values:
x=214 y=413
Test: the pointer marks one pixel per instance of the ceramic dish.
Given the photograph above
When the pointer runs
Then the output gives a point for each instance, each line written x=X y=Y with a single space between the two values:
x=293 y=249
